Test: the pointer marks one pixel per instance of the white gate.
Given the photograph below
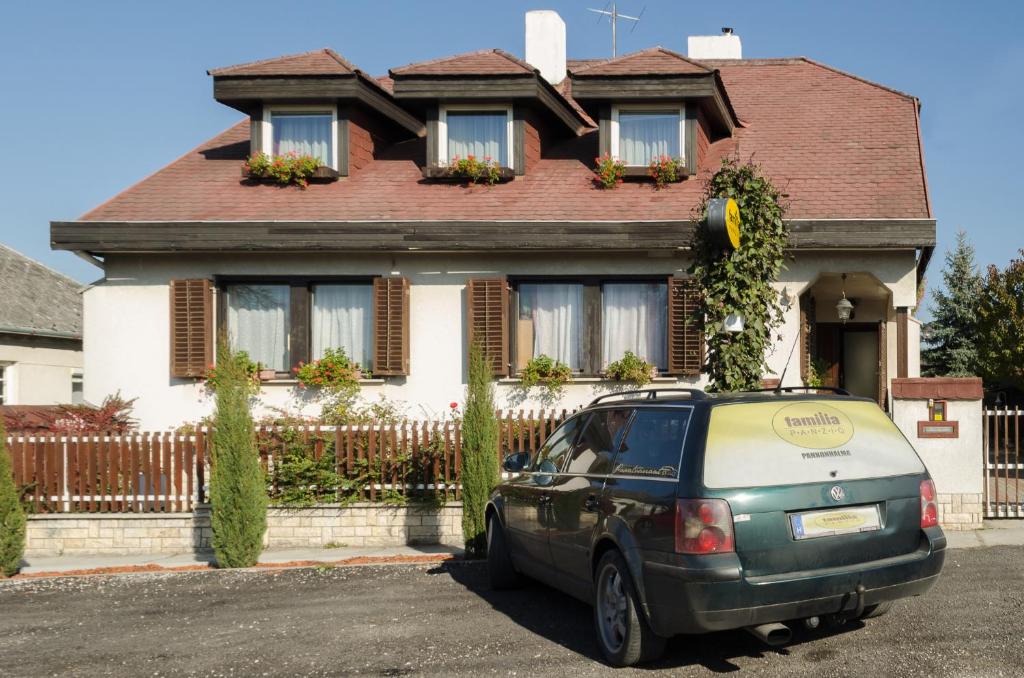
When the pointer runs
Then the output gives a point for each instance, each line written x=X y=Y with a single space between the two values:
x=1004 y=464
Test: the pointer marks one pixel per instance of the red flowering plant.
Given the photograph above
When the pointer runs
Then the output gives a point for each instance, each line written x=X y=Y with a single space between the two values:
x=475 y=171
x=665 y=170
x=608 y=171
x=288 y=169
x=334 y=373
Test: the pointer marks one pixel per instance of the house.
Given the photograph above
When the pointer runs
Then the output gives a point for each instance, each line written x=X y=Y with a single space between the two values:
x=386 y=258
x=40 y=334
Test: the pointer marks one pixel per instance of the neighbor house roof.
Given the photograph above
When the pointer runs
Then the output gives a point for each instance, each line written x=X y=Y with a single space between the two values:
x=317 y=62
x=838 y=146
x=37 y=300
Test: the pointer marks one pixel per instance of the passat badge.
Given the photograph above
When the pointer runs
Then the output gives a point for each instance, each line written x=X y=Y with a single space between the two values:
x=837 y=493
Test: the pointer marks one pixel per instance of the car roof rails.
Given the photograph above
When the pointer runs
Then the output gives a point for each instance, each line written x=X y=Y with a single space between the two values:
x=652 y=394
x=791 y=389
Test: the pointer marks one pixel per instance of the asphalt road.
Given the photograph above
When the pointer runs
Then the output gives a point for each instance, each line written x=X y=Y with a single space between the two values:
x=443 y=620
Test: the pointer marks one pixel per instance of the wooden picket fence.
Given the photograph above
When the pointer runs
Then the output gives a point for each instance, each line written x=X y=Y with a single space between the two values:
x=167 y=472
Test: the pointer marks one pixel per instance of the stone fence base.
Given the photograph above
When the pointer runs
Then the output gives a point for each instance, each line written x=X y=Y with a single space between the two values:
x=960 y=511
x=171 y=533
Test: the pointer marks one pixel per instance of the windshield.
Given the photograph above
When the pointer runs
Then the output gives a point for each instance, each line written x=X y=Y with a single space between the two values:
x=806 y=441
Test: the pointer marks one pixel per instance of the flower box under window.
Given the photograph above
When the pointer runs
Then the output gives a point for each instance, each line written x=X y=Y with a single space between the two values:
x=444 y=175
x=322 y=174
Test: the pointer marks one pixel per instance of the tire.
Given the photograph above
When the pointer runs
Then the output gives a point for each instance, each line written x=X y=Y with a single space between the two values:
x=502 y=572
x=623 y=633
x=872 y=611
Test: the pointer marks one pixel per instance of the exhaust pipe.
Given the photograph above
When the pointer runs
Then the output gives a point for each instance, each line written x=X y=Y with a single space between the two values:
x=771 y=634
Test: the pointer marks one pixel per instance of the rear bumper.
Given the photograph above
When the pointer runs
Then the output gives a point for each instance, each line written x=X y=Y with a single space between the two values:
x=710 y=593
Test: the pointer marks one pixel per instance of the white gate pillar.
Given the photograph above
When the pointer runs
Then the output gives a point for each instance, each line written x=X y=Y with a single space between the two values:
x=942 y=418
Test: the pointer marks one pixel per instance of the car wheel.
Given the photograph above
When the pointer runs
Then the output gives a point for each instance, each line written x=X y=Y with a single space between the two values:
x=872 y=611
x=499 y=562
x=623 y=633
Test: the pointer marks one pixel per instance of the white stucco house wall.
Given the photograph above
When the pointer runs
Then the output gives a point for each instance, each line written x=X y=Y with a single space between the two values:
x=385 y=256
x=41 y=360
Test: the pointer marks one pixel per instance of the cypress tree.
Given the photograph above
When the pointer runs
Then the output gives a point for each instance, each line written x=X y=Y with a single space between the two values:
x=479 y=472
x=238 y=492
x=952 y=335
x=12 y=516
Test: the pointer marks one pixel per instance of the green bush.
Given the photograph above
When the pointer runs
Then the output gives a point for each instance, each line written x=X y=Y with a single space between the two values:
x=479 y=470
x=238 y=494
x=632 y=368
x=12 y=516
x=547 y=371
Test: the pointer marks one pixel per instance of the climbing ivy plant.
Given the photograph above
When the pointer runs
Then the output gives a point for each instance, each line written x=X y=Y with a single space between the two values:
x=740 y=281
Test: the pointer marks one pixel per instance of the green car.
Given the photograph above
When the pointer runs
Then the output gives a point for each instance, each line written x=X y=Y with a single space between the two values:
x=675 y=511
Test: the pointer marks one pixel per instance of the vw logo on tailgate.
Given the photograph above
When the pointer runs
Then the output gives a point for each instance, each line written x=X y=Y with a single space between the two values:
x=837 y=493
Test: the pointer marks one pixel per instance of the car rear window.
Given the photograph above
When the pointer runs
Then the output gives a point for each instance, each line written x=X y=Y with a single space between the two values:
x=803 y=441
x=653 y=445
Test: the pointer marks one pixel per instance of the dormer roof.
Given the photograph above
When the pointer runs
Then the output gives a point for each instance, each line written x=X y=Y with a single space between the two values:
x=316 y=62
x=651 y=61
x=481 y=62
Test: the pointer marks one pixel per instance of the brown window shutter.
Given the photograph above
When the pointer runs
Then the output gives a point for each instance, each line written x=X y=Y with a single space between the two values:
x=390 y=326
x=487 y=314
x=685 y=332
x=191 y=327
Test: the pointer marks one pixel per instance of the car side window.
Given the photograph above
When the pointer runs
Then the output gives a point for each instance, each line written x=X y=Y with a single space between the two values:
x=595 y=448
x=654 y=444
x=552 y=453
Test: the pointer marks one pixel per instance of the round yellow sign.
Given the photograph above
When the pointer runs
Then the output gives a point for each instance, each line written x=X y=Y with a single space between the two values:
x=813 y=426
x=732 y=222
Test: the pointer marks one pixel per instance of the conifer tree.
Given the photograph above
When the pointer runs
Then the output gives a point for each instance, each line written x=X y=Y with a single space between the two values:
x=238 y=492
x=952 y=335
x=479 y=472
x=12 y=516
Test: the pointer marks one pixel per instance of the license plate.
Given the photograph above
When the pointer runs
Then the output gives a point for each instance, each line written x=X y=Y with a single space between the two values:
x=812 y=524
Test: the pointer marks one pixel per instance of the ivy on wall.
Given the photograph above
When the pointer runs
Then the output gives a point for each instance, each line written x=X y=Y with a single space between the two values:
x=740 y=281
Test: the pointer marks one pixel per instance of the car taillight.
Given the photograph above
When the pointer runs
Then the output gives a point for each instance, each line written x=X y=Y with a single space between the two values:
x=704 y=526
x=929 y=508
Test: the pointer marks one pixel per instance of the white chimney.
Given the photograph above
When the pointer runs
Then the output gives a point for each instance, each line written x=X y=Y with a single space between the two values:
x=545 y=44
x=724 y=46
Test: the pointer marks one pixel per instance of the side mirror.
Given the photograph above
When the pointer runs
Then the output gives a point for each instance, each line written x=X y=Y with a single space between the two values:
x=515 y=462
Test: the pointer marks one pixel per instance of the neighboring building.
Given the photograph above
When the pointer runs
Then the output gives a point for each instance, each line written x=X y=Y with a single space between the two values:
x=402 y=269
x=40 y=333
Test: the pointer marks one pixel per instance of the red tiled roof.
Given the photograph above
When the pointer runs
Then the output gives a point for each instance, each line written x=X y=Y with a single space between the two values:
x=318 y=62
x=651 y=61
x=838 y=146
x=939 y=388
x=481 y=62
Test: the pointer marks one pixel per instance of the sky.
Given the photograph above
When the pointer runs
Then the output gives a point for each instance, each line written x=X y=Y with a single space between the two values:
x=97 y=95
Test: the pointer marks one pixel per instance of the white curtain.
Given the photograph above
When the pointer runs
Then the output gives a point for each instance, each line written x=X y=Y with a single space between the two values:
x=303 y=134
x=635 y=318
x=557 y=314
x=644 y=137
x=482 y=135
x=258 y=323
x=343 y=318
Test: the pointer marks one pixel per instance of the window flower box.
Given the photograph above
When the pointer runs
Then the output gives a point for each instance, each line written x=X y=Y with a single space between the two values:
x=469 y=171
x=287 y=170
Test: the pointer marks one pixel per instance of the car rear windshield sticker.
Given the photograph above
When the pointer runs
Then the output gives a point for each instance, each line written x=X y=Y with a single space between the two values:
x=778 y=443
x=633 y=470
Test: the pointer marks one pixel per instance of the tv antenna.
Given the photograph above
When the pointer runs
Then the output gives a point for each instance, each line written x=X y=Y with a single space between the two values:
x=611 y=11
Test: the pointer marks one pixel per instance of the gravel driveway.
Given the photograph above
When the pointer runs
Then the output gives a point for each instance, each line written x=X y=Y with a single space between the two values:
x=443 y=620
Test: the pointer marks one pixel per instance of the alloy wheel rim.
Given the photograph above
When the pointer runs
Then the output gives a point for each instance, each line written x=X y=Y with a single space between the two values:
x=611 y=608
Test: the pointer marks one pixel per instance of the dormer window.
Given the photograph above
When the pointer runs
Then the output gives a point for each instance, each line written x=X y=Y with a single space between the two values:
x=643 y=134
x=483 y=132
x=306 y=130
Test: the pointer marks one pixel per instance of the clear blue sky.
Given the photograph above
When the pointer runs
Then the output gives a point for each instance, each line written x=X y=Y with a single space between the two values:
x=96 y=95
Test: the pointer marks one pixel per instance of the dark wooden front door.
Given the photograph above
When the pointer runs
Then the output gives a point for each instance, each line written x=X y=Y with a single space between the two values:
x=852 y=356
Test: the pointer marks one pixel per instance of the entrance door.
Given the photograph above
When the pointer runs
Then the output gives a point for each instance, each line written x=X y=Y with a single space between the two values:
x=852 y=357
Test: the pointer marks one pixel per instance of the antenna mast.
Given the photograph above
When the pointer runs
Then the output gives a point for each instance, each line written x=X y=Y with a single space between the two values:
x=613 y=17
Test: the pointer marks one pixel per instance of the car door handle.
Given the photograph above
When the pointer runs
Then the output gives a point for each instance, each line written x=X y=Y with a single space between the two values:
x=591 y=504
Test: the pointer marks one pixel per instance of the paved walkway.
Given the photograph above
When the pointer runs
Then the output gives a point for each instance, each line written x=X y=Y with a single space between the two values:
x=995 y=533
